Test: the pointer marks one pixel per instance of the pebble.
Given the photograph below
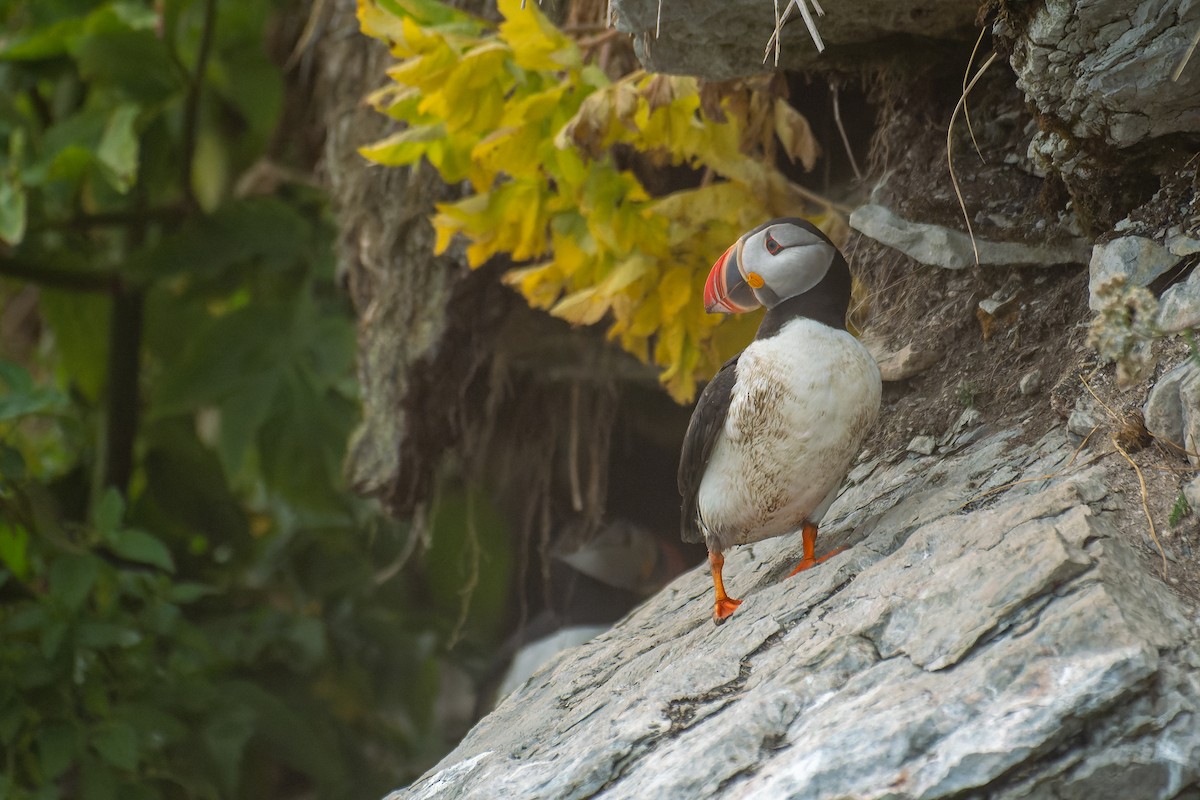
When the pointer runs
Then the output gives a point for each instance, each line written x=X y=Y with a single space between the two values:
x=1031 y=383
x=924 y=445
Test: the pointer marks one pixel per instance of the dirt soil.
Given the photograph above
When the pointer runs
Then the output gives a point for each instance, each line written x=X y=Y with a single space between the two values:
x=1040 y=326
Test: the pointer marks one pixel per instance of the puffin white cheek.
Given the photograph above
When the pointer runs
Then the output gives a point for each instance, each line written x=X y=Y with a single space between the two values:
x=800 y=269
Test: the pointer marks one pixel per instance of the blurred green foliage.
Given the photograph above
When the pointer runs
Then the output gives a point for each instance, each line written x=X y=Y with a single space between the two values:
x=191 y=605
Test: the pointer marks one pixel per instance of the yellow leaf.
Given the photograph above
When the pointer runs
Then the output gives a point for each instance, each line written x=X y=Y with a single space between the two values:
x=425 y=72
x=380 y=24
x=470 y=95
x=628 y=271
x=669 y=348
x=536 y=43
x=589 y=129
x=581 y=308
x=398 y=102
x=445 y=233
x=541 y=285
x=796 y=135
x=534 y=107
x=648 y=317
x=531 y=237
x=675 y=290
x=571 y=256
x=514 y=151
x=404 y=147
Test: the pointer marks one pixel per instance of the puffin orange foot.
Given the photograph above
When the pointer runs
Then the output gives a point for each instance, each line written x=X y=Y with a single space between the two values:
x=807 y=562
x=725 y=605
x=723 y=609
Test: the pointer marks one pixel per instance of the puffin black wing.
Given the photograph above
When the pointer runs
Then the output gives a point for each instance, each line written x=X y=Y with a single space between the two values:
x=706 y=424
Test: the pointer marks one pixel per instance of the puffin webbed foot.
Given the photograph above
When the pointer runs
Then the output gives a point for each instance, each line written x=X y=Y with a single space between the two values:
x=810 y=543
x=723 y=609
x=725 y=605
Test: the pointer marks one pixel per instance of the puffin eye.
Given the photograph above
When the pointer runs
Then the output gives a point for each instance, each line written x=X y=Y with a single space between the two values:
x=773 y=247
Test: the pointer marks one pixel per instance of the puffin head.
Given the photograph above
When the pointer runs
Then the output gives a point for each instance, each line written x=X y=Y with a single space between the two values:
x=774 y=262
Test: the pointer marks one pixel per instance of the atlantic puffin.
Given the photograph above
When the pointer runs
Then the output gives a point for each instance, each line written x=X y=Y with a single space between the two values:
x=775 y=431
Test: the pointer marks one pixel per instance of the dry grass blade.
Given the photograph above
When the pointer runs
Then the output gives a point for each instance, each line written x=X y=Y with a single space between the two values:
x=812 y=25
x=1186 y=56
x=775 y=36
x=950 y=156
x=780 y=21
x=1096 y=397
x=966 y=110
x=475 y=554
x=1141 y=478
x=1145 y=505
x=837 y=119
x=658 y=21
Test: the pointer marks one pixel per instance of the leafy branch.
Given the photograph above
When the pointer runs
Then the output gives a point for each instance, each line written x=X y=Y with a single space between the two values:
x=555 y=153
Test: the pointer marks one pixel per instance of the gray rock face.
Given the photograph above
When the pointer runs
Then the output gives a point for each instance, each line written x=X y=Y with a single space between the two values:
x=1179 y=306
x=1138 y=258
x=944 y=247
x=1172 y=411
x=980 y=634
x=722 y=39
x=1103 y=68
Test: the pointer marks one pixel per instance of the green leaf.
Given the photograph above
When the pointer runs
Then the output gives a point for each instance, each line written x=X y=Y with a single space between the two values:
x=72 y=578
x=136 y=15
x=53 y=635
x=58 y=746
x=296 y=737
x=12 y=211
x=14 y=549
x=233 y=352
x=67 y=150
x=226 y=736
x=247 y=78
x=118 y=150
x=12 y=463
x=51 y=41
x=186 y=491
x=116 y=742
x=26 y=619
x=188 y=592
x=308 y=427
x=259 y=229
x=109 y=512
x=23 y=397
x=136 y=63
x=243 y=413
x=157 y=728
x=103 y=635
x=99 y=782
x=80 y=324
x=210 y=169
x=142 y=547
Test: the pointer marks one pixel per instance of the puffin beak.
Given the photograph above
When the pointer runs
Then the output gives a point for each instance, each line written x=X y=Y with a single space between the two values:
x=726 y=290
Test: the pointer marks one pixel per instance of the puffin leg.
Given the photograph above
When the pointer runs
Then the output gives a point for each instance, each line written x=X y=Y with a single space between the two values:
x=810 y=543
x=725 y=605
